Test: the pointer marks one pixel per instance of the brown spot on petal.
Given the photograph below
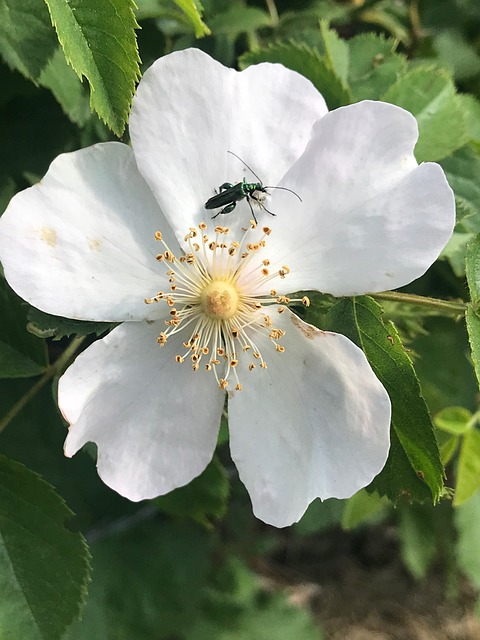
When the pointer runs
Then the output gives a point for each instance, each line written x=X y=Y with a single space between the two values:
x=308 y=330
x=94 y=244
x=49 y=236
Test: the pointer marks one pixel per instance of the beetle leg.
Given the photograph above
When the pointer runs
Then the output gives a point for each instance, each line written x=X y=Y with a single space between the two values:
x=251 y=208
x=261 y=205
x=228 y=209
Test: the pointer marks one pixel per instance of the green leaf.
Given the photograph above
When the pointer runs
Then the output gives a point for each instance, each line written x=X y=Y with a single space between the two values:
x=473 y=271
x=148 y=582
x=468 y=472
x=44 y=567
x=467 y=521
x=27 y=39
x=65 y=85
x=429 y=94
x=473 y=328
x=309 y=63
x=418 y=544
x=472 y=319
x=21 y=354
x=462 y=170
x=336 y=52
x=472 y=110
x=414 y=461
x=193 y=10
x=374 y=65
x=361 y=508
x=45 y=325
x=453 y=420
x=98 y=39
x=205 y=497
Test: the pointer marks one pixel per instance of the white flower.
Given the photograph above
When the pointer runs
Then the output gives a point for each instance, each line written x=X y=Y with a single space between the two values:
x=311 y=419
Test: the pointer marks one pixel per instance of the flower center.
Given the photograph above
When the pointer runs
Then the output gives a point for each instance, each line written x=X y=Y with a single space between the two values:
x=219 y=300
x=213 y=300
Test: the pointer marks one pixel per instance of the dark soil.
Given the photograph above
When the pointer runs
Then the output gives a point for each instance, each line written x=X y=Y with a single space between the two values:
x=358 y=589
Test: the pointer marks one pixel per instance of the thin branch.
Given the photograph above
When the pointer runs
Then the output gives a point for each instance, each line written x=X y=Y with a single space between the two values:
x=58 y=366
x=453 y=306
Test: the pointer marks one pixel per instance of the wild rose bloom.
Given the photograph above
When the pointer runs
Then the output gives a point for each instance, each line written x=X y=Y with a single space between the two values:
x=120 y=234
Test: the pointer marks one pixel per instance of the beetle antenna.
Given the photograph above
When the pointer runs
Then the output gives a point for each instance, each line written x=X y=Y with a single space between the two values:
x=285 y=189
x=244 y=163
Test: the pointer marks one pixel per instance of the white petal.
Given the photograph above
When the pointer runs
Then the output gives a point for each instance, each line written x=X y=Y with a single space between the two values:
x=155 y=421
x=190 y=111
x=314 y=424
x=81 y=243
x=371 y=219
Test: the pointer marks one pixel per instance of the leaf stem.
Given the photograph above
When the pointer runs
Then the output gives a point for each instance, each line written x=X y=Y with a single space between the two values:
x=59 y=365
x=453 y=306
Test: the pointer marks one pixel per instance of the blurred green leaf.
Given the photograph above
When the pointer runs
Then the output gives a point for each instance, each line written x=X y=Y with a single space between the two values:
x=374 y=65
x=468 y=472
x=453 y=420
x=309 y=63
x=389 y=16
x=27 y=38
x=67 y=88
x=361 y=508
x=237 y=20
x=430 y=95
x=237 y=609
x=204 y=498
x=456 y=249
x=418 y=544
x=21 y=354
x=443 y=365
x=454 y=50
x=462 y=170
x=151 y=8
x=40 y=425
x=44 y=567
x=320 y=515
x=472 y=110
x=448 y=448
x=413 y=469
x=148 y=581
x=98 y=39
x=467 y=521
x=7 y=191
x=193 y=10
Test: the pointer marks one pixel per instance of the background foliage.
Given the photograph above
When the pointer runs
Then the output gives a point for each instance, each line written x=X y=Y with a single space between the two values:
x=185 y=566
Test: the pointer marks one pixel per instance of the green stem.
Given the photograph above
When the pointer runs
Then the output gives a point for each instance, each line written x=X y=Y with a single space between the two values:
x=272 y=9
x=58 y=366
x=422 y=301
